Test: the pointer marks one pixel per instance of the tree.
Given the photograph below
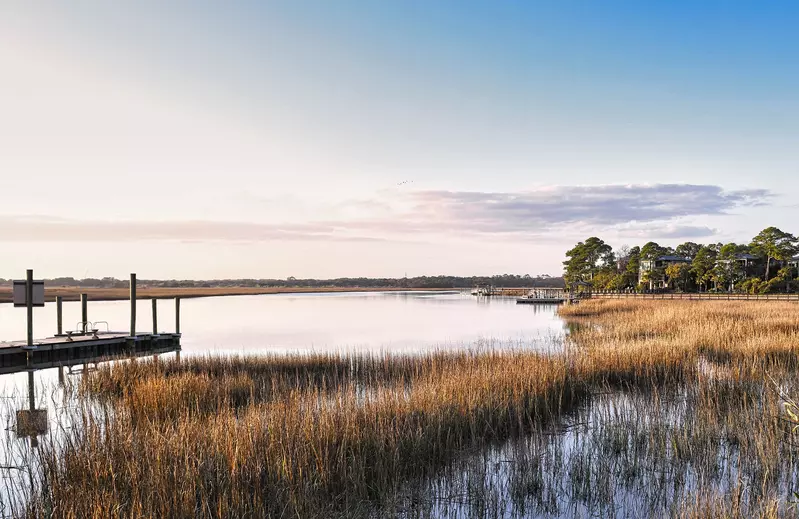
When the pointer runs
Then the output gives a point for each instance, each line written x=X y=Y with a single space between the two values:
x=598 y=253
x=622 y=255
x=688 y=249
x=703 y=264
x=654 y=277
x=633 y=267
x=774 y=244
x=576 y=266
x=586 y=259
x=728 y=269
x=679 y=274
x=652 y=251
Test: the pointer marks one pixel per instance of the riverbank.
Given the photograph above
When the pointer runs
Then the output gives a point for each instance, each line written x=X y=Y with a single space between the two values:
x=656 y=409
x=145 y=292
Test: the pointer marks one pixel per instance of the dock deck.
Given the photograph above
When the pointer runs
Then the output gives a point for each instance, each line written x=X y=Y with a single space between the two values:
x=62 y=350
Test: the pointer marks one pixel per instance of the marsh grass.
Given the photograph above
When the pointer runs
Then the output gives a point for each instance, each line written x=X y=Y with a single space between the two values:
x=653 y=405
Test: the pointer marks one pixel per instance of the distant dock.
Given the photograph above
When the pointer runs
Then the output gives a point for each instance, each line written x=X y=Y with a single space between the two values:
x=545 y=296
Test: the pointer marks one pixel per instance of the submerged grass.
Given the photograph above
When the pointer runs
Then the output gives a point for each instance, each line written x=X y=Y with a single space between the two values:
x=692 y=427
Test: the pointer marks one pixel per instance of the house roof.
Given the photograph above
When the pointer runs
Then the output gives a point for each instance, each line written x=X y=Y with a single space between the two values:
x=746 y=256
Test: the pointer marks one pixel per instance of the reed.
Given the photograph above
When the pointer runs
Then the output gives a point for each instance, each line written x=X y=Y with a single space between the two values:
x=645 y=395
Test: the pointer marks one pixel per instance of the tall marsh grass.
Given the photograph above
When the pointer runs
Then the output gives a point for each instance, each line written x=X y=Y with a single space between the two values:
x=365 y=435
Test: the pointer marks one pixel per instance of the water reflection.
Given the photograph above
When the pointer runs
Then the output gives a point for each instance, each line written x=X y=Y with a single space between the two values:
x=621 y=455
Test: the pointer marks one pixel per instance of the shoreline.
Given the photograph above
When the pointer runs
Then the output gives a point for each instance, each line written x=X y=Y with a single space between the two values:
x=143 y=292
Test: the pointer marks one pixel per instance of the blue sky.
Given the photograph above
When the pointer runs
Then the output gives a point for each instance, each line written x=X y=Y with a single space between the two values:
x=322 y=139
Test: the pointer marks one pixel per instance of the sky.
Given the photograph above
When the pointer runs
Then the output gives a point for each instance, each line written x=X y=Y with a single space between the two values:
x=360 y=138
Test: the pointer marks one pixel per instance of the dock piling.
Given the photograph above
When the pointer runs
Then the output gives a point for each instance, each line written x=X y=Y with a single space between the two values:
x=133 y=305
x=59 y=311
x=29 y=297
x=84 y=312
x=155 y=316
x=31 y=392
x=177 y=315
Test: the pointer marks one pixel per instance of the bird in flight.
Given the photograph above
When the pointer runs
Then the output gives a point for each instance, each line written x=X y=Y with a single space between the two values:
x=405 y=182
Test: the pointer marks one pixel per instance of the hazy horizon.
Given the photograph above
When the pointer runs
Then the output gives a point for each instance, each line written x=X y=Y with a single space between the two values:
x=323 y=140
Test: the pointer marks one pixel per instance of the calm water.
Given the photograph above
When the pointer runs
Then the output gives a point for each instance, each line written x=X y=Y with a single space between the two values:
x=372 y=321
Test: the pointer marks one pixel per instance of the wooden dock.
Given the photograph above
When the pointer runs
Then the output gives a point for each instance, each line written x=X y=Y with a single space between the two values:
x=16 y=356
x=541 y=301
x=545 y=296
x=87 y=344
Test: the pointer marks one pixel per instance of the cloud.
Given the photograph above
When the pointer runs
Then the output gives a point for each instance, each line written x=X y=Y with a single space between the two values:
x=652 y=210
x=44 y=229
x=667 y=231
x=602 y=205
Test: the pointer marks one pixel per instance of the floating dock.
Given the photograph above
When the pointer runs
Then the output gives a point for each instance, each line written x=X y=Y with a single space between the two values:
x=540 y=301
x=545 y=296
x=71 y=350
x=87 y=343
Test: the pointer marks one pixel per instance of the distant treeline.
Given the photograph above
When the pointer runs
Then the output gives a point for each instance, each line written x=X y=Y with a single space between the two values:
x=504 y=280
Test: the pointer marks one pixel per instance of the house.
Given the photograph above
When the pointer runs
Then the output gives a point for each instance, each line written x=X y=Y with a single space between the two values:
x=660 y=264
x=746 y=262
x=794 y=263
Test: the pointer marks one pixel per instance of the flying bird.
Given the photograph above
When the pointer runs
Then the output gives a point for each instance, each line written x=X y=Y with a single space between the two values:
x=405 y=182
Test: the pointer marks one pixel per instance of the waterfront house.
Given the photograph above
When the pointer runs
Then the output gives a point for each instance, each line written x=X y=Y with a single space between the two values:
x=659 y=264
x=747 y=263
x=794 y=264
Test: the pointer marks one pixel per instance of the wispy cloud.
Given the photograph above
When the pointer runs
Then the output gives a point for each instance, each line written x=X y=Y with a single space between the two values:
x=548 y=208
x=43 y=229
x=666 y=230
x=633 y=210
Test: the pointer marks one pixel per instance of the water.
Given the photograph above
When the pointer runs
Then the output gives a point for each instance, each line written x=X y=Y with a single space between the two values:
x=366 y=321
x=623 y=455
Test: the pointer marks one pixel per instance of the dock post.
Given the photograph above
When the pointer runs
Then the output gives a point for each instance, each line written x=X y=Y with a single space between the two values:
x=31 y=391
x=133 y=305
x=61 y=375
x=29 y=297
x=59 y=315
x=84 y=311
x=155 y=316
x=177 y=315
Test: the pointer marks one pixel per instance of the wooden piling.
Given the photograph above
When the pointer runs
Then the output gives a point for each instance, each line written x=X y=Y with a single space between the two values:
x=155 y=316
x=59 y=312
x=84 y=312
x=177 y=315
x=31 y=391
x=29 y=297
x=133 y=305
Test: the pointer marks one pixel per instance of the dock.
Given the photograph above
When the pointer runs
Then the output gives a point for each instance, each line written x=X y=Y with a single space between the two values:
x=88 y=343
x=546 y=296
x=51 y=352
